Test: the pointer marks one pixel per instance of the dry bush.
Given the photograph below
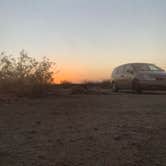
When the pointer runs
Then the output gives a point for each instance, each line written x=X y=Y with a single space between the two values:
x=82 y=89
x=66 y=84
x=24 y=75
x=90 y=84
x=92 y=87
x=105 y=84
x=79 y=89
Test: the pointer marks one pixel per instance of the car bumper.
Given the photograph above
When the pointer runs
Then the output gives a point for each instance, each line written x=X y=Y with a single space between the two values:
x=153 y=85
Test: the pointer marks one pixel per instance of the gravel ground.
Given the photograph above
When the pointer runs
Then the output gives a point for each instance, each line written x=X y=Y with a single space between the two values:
x=122 y=129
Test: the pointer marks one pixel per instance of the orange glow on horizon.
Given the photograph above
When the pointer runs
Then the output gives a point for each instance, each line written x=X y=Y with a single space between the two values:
x=78 y=75
x=66 y=74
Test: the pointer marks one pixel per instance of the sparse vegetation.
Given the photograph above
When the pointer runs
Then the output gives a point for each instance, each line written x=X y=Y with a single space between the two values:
x=24 y=75
x=66 y=84
x=79 y=89
x=87 y=87
x=105 y=84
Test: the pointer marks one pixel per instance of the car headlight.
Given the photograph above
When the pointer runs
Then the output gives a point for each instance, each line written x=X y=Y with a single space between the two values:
x=148 y=77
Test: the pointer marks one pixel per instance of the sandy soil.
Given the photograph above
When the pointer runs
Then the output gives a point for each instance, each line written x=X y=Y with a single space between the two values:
x=84 y=130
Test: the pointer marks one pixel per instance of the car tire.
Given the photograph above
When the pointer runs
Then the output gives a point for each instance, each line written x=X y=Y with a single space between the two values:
x=137 y=87
x=114 y=87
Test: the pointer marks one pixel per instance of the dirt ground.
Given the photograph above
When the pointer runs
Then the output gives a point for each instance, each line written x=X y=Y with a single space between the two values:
x=122 y=129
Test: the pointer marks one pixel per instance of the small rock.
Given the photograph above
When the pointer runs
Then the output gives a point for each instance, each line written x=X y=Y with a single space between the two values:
x=96 y=129
x=38 y=122
x=117 y=137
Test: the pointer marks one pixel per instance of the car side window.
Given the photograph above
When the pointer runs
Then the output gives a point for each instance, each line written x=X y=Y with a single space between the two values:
x=154 y=68
x=128 y=69
x=123 y=69
x=116 y=71
x=120 y=70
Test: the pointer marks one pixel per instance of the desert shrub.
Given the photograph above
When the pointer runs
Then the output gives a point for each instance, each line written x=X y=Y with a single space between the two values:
x=79 y=89
x=82 y=89
x=66 y=84
x=89 y=84
x=24 y=75
x=106 y=84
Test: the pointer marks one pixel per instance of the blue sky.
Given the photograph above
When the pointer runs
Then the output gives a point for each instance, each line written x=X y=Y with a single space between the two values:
x=87 y=38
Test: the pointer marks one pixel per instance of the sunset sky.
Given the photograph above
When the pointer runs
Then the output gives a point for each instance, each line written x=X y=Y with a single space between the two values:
x=86 y=38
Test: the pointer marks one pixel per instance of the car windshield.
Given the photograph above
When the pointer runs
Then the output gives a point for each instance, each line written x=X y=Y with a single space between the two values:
x=147 y=67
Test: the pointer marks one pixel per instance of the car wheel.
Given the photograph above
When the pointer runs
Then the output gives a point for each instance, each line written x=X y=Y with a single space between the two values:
x=114 y=87
x=137 y=87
